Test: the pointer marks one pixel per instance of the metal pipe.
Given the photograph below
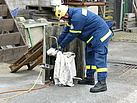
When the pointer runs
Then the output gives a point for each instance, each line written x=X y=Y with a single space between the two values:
x=44 y=55
x=55 y=40
x=86 y=4
x=95 y=4
x=121 y=16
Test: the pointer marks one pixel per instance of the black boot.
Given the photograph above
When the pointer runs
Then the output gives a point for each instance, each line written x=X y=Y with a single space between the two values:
x=87 y=80
x=99 y=87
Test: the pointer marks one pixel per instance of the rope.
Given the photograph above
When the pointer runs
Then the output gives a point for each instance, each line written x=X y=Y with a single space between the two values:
x=26 y=90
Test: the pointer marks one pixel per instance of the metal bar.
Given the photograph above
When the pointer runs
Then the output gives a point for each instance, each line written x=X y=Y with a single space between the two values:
x=86 y=4
x=102 y=10
x=44 y=46
x=30 y=36
x=121 y=16
x=45 y=71
x=44 y=56
x=55 y=39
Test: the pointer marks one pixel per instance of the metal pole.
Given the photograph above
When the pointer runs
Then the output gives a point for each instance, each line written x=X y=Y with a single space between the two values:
x=121 y=15
x=44 y=56
x=133 y=1
x=45 y=66
x=55 y=39
x=83 y=60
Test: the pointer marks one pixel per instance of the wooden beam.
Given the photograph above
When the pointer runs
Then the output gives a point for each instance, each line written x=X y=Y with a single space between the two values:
x=2 y=2
x=36 y=62
x=10 y=39
x=3 y=10
x=31 y=50
x=6 y=25
x=12 y=53
x=32 y=57
x=85 y=4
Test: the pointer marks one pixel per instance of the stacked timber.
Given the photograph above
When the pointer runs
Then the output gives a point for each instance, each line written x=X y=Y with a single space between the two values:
x=12 y=44
x=130 y=22
x=37 y=11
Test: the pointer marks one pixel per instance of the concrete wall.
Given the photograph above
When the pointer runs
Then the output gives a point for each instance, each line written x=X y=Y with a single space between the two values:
x=20 y=3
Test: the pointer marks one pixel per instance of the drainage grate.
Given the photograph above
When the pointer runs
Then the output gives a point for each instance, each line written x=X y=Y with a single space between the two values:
x=130 y=66
x=123 y=65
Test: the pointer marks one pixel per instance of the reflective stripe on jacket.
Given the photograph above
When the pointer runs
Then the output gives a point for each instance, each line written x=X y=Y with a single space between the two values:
x=87 y=26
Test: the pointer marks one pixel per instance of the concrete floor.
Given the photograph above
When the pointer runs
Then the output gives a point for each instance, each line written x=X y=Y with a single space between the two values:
x=122 y=82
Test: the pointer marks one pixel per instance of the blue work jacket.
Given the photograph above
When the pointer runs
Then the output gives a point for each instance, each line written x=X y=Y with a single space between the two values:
x=86 y=26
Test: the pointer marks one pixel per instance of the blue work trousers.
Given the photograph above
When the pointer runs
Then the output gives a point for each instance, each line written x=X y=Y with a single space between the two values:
x=96 y=61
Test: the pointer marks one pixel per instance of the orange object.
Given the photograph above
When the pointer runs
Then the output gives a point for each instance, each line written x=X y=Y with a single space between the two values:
x=85 y=4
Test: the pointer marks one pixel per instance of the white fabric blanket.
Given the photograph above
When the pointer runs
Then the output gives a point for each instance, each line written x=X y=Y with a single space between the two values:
x=65 y=68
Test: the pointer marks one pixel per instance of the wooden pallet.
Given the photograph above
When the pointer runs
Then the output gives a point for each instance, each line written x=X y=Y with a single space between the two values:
x=31 y=58
x=132 y=30
x=127 y=24
x=129 y=17
x=38 y=7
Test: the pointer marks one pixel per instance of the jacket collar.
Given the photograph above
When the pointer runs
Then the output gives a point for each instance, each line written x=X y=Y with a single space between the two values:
x=70 y=12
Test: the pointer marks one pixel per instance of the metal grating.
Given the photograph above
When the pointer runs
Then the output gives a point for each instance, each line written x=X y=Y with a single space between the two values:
x=123 y=65
x=130 y=66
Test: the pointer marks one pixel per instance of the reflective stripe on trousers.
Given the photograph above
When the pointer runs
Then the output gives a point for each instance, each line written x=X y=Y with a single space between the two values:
x=96 y=61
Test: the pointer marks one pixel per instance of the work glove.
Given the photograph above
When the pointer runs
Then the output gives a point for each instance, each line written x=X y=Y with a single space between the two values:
x=59 y=48
x=52 y=52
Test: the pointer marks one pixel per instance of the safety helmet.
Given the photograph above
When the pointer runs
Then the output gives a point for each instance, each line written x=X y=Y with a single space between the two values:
x=61 y=10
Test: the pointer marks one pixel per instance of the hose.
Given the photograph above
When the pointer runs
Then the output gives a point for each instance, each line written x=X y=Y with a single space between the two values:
x=26 y=90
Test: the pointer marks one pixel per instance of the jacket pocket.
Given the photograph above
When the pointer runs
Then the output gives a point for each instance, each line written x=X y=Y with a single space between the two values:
x=102 y=49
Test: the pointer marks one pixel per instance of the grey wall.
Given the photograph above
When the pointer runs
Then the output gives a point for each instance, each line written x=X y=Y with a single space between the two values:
x=20 y=3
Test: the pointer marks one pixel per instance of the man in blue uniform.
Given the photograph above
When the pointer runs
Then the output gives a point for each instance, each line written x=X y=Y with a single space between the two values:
x=94 y=31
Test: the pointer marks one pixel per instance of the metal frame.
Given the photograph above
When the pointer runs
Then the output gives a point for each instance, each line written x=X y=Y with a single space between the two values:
x=46 y=67
x=121 y=17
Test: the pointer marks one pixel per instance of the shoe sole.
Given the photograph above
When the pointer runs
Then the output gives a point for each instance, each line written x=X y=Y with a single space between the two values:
x=86 y=84
x=98 y=91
